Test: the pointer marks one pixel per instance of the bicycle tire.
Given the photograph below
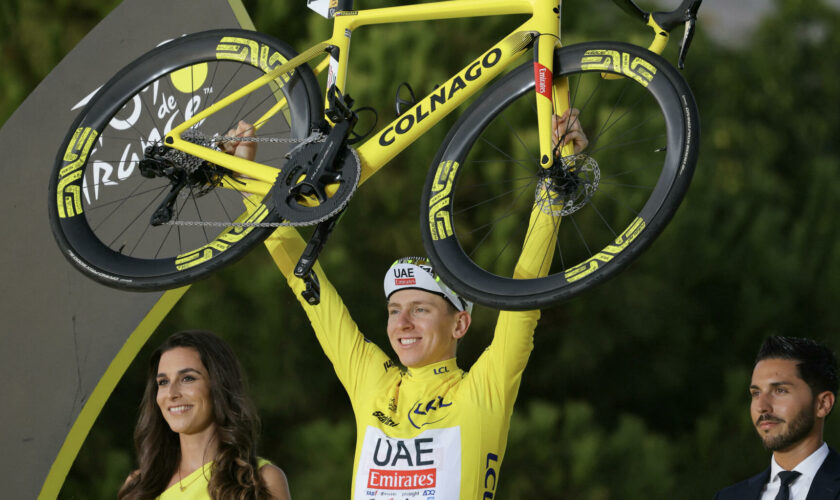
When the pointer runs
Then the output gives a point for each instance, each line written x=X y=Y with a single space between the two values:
x=643 y=131
x=100 y=205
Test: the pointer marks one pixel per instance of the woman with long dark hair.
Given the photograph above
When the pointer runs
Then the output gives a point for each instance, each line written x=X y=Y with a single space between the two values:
x=197 y=430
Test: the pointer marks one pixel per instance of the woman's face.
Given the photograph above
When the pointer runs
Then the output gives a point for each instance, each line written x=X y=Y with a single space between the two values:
x=183 y=391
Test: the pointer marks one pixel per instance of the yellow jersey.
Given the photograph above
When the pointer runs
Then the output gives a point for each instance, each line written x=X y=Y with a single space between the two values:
x=436 y=432
x=194 y=485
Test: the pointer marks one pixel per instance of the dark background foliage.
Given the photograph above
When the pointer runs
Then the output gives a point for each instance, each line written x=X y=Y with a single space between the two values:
x=637 y=389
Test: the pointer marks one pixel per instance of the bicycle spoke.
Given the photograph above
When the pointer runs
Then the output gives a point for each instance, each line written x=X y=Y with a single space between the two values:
x=506 y=155
x=632 y=186
x=218 y=94
x=489 y=200
x=520 y=191
x=111 y=244
x=624 y=144
x=605 y=126
x=534 y=157
x=493 y=223
x=221 y=203
x=198 y=214
x=603 y=219
x=621 y=203
x=559 y=249
x=508 y=241
x=93 y=209
x=122 y=202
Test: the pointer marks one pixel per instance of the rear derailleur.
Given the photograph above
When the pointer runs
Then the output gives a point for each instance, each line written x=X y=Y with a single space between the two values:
x=182 y=170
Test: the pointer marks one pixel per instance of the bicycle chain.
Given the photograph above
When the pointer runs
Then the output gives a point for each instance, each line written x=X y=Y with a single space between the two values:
x=229 y=138
x=227 y=224
x=314 y=137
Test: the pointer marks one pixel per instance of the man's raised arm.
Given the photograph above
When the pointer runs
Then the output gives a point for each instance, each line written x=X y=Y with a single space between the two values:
x=354 y=358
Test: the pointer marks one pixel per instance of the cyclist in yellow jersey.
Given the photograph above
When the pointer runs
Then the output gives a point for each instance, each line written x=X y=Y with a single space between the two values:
x=433 y=431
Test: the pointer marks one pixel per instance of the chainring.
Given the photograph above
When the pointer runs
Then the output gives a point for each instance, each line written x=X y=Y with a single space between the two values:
x=299 y=210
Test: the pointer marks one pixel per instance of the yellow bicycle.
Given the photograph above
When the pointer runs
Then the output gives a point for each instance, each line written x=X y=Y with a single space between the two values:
x=143 y=197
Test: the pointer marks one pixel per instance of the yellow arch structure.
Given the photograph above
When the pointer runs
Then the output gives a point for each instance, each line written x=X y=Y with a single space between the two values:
x=93 y=407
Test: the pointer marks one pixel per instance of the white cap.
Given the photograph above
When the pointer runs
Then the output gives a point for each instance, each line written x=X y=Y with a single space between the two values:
x=417 y=273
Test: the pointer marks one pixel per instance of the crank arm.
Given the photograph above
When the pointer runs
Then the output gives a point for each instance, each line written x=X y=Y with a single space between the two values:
x=303 y=269
x=313 y=184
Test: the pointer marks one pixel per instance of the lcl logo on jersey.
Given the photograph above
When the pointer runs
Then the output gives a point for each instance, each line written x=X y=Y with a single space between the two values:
x=428 y=413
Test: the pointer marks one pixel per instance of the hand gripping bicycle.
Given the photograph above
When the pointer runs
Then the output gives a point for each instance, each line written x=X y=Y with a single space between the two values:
x=142 y=196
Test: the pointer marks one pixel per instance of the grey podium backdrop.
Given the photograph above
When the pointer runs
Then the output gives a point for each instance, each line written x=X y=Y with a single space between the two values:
x=66 y=340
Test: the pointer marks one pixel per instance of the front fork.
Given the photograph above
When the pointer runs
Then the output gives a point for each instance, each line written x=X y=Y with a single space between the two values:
x=552 y=96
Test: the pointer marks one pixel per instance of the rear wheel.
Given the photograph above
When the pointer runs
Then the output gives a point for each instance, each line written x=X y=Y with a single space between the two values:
x=614 y=198
x=114 y=176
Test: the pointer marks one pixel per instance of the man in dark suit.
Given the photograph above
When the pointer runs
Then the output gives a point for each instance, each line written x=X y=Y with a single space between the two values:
x=794 y=385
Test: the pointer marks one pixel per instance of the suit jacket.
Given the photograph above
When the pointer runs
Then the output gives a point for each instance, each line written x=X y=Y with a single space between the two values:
x=826 y=485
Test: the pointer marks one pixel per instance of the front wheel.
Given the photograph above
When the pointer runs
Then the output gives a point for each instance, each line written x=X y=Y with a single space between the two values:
x=614 y=197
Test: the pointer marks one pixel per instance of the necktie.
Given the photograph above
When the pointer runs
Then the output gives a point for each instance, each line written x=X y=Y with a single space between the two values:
x=787 y=477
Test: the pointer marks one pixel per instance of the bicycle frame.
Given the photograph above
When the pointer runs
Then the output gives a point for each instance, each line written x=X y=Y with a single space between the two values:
x=540 y=30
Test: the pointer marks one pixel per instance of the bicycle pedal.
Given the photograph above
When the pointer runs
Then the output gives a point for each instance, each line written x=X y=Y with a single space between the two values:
x=402 y=105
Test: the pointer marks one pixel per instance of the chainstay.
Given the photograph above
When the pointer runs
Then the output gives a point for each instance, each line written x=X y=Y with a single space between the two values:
x=314 y=137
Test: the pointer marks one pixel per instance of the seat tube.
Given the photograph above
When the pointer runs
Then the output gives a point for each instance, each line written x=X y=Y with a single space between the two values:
x=547 y=21
x=339 y=54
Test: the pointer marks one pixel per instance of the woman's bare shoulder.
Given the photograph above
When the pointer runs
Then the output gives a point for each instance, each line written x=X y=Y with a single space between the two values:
x=275 y=480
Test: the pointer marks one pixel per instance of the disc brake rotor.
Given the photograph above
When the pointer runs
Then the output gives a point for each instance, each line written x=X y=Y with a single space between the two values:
x=568 y=186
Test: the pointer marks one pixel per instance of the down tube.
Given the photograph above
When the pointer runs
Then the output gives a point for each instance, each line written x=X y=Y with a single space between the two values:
x=390 y=141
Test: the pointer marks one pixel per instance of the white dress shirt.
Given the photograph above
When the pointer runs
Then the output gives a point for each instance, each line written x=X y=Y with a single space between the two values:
x=799 y=488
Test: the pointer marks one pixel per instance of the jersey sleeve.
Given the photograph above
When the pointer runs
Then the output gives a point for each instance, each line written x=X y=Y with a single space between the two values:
x=501 y=365
x=357 y=361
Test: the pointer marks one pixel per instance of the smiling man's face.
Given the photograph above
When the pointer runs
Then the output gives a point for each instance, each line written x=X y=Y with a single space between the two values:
x=422 y=327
